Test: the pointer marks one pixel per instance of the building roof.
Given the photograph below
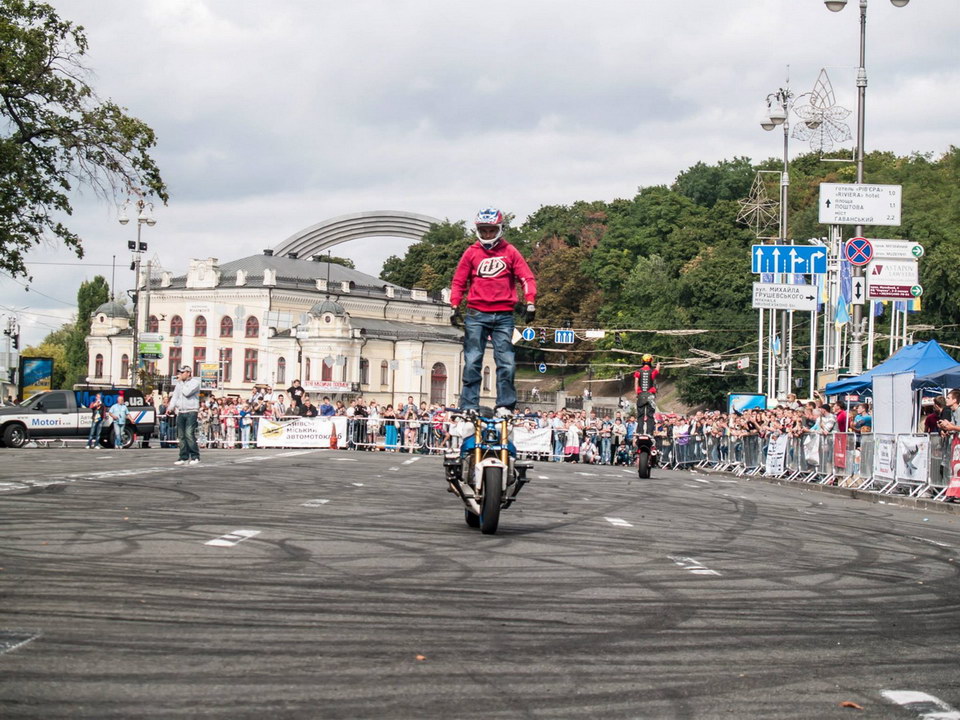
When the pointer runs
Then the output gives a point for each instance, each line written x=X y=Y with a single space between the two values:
x=397 y=330
x=112 y=309
x=302 y=274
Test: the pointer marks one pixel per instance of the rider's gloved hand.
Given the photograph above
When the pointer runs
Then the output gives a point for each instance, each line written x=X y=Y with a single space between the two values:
x=457 y=318
x=530 y=313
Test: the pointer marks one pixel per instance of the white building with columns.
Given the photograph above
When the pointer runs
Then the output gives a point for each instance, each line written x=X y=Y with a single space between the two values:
x=266 y=320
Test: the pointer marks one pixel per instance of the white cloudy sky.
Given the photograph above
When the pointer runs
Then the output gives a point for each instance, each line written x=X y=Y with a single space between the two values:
x=273 y=116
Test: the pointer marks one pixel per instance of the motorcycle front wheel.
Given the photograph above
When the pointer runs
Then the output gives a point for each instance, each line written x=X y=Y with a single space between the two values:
x=492 y=495
x=472 y=520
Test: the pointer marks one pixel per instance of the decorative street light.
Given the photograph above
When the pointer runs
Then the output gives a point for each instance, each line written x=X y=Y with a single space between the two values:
x=778 y=114
x=856 y=334
x=144 y=217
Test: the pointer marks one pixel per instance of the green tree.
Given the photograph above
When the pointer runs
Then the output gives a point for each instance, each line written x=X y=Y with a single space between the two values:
x=56 y=133
x=440 y=248
x=707 y=184
x=90 y=296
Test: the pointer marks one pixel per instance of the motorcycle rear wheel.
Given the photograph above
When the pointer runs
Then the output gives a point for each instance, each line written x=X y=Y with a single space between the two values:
x=643 y=464
x=490 y=505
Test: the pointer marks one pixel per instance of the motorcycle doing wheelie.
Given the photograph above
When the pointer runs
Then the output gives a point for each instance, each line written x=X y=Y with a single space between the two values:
x=485 y=474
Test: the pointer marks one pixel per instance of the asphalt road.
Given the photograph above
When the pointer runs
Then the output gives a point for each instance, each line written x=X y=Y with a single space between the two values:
x=347 y=585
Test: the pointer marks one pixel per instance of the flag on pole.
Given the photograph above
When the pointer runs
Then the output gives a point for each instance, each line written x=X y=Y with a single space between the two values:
x=776 y=344
x=843 y=315
x=877 y=308
x=846 y=281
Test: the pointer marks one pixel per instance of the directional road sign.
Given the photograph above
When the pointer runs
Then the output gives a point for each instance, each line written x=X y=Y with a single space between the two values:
x=892 y=279
x=799 y=259
x=564 y=337
x=897 y=249
x=542 y=367
x=859 y=290
x=858 y=251
x=859 y=204
x=528 y=334
x=777 y=296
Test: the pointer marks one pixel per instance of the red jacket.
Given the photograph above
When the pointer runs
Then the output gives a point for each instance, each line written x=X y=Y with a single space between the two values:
x=492 y=277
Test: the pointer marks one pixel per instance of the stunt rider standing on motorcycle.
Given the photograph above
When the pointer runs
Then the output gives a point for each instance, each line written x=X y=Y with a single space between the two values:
x=488 y=273
x=645 y=380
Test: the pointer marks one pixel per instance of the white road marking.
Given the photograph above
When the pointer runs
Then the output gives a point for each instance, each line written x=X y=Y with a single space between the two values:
x=926 y=706
x=394 y=468
x=359 y=484
x=231 y=539
x=294 y=453
x=719 y=480
x=618 y=522
x=701 y=480
x=411 y=461
x=11 y=640
x=314 y=503
x=342 y=459
x=692 y=566
x=586 y=474
x=543 y=477
x=931 y=542
x=612 y=475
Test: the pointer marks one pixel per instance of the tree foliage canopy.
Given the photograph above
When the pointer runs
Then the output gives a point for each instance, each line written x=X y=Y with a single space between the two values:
x=676 y=259
x=57 y=134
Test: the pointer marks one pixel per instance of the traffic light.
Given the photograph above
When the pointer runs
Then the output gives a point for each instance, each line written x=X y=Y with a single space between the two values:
x=142 y=247
x=16 y=341
x=131 y=244
x=11 y=375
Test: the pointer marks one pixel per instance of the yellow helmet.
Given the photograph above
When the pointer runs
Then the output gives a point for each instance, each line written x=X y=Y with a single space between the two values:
x=647 y=357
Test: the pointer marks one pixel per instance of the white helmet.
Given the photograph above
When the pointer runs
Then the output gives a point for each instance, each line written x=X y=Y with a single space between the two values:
x=489 y=217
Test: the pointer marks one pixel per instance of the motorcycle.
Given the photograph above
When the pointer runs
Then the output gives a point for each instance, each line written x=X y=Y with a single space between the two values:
x=646 y=454
x=485 y=474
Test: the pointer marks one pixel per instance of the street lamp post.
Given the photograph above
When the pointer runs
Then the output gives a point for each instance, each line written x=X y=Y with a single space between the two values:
x=856 y=333
x=144 y=217
x=778 y=113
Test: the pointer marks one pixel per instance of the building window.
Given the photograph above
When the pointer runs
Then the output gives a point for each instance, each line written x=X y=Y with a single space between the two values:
x=306 y=371
x=364 y=371
x=200 y=326
x=438 y=384
x=175 y=357
x=226 y=327
x=199 y=356
x=253 y=327
x=281 y=371
x=124 y=366
x=326 y=372
x=153 y=325
x=98 y=365
x=226 y=364
x=176 y=326
x=249 y=365
x=486 y=379
x=384 y=372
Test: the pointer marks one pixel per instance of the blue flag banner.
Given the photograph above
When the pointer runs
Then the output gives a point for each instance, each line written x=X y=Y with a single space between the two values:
x=877 y=308
x=846 y=281
x=843 y=315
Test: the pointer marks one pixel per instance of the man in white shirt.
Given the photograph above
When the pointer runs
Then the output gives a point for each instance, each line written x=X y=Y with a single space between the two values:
x=185 y=402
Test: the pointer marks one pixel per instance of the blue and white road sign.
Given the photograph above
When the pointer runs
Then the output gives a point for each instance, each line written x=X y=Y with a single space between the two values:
x=528 y=334
x=795 y=259
x=542 y=367
x=564 y=337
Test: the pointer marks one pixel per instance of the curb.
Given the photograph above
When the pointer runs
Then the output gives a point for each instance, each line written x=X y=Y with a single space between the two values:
x=925 y=504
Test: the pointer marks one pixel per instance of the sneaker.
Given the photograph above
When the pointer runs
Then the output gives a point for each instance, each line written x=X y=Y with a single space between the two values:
x=503 y=412
x=195 y=461
x=180 y=462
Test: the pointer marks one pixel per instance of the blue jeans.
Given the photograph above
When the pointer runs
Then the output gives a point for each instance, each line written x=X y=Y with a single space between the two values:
x=93 y=439
x=118 y=434
x=477 y=326
x=187 y=435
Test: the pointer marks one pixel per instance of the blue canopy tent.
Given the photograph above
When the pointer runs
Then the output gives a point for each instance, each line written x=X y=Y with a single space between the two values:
x=924 y=358
x=946 y=378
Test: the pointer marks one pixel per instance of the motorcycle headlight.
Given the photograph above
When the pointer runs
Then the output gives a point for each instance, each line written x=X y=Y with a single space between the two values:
x=491 y=436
